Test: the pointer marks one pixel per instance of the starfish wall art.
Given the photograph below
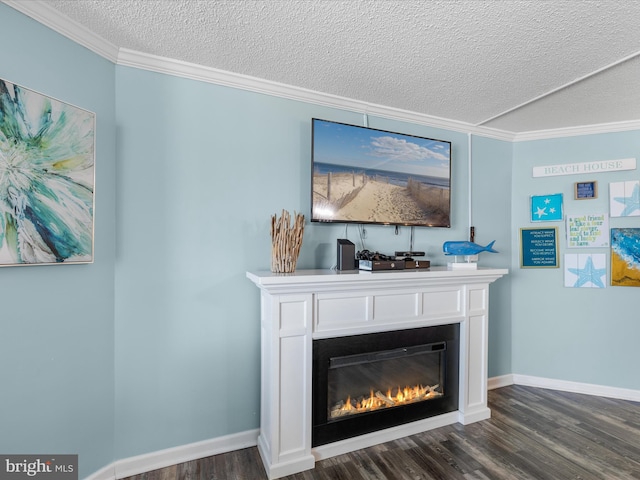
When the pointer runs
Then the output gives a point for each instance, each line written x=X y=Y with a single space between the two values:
x=585 y=270
x=546 y=208
x=624 y=199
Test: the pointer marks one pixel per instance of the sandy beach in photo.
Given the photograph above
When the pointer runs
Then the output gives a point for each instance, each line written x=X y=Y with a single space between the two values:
x=623 y=274
x=353 y=197
x=342 y=184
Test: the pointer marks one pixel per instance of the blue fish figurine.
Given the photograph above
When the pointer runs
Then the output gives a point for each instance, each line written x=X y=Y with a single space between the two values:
x=466 y=248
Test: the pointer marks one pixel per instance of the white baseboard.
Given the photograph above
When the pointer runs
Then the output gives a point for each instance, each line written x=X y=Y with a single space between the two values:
x=577 y=387
x=185 y=453
x=173 y=456
x=501 y=381
x=564 y=385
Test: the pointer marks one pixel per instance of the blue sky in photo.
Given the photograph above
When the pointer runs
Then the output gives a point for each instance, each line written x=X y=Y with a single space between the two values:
x=366 y=148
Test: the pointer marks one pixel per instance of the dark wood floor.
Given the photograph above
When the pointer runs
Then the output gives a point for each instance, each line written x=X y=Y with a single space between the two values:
x=533 y=434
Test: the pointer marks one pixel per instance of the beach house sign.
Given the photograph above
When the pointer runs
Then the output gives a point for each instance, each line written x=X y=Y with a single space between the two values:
x=586 y=167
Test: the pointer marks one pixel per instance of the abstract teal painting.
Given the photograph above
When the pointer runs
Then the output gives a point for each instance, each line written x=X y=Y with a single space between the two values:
x=47 y=151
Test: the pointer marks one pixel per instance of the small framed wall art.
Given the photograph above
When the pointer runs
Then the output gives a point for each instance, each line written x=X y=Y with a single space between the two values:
x=591 y=230
x=585 y=190
x=539 y=247
x=546 y=208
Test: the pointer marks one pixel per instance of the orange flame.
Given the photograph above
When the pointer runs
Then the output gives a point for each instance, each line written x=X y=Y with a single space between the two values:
x=379 y=400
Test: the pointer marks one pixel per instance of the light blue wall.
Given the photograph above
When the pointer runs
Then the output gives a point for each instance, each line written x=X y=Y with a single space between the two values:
x=201 y=170
x=492 y=166
x=572 y=334
x=56 y=322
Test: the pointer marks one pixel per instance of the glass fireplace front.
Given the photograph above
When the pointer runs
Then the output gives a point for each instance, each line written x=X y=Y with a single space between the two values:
x=369 y=382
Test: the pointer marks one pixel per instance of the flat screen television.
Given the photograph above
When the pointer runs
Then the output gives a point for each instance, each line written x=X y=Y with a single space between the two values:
x=369 y=176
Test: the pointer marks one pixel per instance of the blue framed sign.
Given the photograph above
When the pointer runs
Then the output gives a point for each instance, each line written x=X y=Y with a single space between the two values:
x=539 y=247
x=586 y=190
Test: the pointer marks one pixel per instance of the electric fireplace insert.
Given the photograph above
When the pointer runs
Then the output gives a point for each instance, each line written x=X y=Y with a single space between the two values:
x=370 y=382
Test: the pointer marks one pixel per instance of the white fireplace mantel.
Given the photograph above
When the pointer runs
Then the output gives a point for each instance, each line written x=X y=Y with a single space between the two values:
x=305 y=305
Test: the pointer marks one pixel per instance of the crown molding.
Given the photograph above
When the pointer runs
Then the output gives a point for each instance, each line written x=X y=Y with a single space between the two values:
x=596 y=129
x=168 y=66
x=40 y=11
x=52 y=18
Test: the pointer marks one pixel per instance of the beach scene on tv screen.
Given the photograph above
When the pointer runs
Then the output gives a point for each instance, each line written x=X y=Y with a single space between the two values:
x=365 y=175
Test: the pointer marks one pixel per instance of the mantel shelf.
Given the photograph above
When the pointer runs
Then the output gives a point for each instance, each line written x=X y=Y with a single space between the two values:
x=321 y=280
x=298 y=307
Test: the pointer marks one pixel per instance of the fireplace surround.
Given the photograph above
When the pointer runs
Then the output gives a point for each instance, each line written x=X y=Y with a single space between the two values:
x=301 y=310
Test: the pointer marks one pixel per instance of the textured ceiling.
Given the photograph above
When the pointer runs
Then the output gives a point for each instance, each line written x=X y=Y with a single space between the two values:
x=518 y=66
